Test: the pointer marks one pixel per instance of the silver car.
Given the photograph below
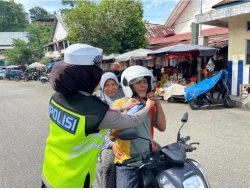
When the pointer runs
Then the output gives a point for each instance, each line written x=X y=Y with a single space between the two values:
x=2 y=74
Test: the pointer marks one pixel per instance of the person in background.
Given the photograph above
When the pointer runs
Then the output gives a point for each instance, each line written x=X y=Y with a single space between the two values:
x=156 y=84
x=109 y=91
x=137 y=84
x=78 y=120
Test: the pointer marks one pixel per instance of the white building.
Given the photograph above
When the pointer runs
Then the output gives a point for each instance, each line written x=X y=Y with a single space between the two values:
x=184 y=14
x=180 y=21
x=6 y=38
x=59 y=41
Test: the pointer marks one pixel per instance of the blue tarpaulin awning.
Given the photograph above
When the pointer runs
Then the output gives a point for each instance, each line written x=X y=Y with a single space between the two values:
x=51 y=64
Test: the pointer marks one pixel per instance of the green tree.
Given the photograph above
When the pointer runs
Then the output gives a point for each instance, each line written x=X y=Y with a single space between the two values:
x=39 y=35
x=13 y=18
x=45 y=60
x=20 y=54
x=71 y=3
x=38 y=12
x=114 y=25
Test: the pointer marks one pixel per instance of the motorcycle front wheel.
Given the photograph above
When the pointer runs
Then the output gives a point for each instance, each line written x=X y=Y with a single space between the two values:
x=228 y=102
x=194 y=104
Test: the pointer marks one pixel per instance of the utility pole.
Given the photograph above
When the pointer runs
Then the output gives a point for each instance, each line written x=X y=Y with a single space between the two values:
x=199 y=59
x=200 y=28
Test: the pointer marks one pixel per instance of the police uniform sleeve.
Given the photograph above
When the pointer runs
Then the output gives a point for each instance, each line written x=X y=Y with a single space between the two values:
x=117 y=120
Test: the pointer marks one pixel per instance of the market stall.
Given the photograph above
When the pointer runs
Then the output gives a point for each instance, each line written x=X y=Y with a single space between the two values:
x=36 y=65
x=182 y=64
x=108 y=61
x=135 y=57
x=138 y=54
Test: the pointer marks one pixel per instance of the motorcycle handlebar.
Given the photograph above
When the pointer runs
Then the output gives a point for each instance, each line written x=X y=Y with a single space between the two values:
x=185 y=139
x=189 y=149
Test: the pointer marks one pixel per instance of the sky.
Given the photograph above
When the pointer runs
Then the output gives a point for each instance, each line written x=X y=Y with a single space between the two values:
x=155 y=11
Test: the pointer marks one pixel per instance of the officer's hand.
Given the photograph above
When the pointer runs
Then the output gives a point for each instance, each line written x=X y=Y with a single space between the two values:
x=131 y=103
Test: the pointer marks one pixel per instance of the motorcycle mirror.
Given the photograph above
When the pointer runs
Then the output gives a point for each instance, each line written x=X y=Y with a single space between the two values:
x=184 y=118
x=128 y=134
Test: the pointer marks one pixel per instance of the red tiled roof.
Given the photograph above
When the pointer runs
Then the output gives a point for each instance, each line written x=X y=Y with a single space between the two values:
x=177 y=37
x=158 y=31
x=218 y=41
x=217 y=37
x=187 y=36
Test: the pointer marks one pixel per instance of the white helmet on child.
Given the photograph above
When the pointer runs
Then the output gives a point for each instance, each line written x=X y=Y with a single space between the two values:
x=134 y=74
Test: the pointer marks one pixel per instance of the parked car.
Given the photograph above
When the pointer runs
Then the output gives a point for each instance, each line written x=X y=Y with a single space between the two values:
x=2 y=74
x=11 y=74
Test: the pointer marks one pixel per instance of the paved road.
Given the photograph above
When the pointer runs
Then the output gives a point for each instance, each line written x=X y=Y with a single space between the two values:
x=223 y=134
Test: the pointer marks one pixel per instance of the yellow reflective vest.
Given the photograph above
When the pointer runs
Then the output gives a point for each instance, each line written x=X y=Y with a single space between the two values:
x=74 y=141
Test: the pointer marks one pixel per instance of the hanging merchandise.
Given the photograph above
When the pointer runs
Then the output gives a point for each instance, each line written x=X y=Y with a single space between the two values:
x=210 y=65
x=116 y=66
x=173 y=62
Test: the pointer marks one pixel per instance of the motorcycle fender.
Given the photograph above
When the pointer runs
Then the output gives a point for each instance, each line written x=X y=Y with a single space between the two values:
x=147 y=179
x=179 y=173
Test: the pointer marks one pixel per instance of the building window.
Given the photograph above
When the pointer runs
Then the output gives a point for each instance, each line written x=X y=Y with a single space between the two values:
x=248 y=26
x=248 y=53
x=66 y=44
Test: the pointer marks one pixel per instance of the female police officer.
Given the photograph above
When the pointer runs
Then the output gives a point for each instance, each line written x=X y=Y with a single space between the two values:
x=78 y=120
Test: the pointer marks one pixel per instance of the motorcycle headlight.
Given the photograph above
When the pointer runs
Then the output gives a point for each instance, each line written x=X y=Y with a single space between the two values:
x=193 y=182
x=202 y=171
x=164 y=182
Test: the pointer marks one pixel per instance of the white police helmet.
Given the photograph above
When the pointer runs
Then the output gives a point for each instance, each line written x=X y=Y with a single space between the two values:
x=134 y=74
x=82 y=54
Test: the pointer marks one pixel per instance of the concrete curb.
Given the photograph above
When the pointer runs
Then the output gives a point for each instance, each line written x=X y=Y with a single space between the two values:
x=237 y=101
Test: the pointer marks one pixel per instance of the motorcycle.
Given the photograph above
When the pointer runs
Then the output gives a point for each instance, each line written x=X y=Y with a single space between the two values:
x=168 y=166
x=25 y=77
x=210 y=91
x=45 y=78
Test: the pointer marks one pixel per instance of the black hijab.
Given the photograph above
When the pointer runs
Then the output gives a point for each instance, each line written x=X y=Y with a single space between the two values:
x=68 y=79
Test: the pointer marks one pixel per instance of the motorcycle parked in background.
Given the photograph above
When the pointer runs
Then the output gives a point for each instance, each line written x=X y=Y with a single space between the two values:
x=25 y=77
x=217 y=95
x=45 y=78
x=167 y=167
x=210 y=91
